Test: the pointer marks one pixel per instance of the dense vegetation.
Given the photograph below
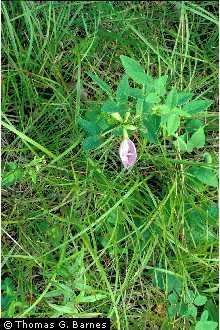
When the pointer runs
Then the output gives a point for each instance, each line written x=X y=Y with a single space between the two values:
x=81 y=236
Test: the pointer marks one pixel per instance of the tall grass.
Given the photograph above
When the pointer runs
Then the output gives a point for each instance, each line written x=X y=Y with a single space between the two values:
x=80 y=236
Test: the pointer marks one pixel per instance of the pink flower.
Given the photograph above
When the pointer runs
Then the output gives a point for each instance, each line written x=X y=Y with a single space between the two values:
x=127 y=152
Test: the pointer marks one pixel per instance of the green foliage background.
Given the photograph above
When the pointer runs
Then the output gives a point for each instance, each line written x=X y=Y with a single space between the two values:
x=81 y=236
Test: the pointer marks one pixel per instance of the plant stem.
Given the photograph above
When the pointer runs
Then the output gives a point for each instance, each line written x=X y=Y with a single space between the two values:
x=125 y=133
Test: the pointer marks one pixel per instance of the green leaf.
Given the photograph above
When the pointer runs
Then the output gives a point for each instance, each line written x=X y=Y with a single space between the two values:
x=205 y=175
x=152 y=124
x=180 y=144
x=117 y=131
x=197 y=140
x=211 y=306
x=162 y=109
x=123 y=90
x=139 y=107
x=167 y=282
x=110 y=106
x=54 y=293
x=147 y=107
x=12 y=175
x=173 y=122
x=55 y=235
x=173 y=298
x=206 y=325
x=89 y=126
x=134 y=70
x=91 y=142
x=160 y=85
x=69 y=309
x=193 y=125
x=207 y=158
x=200 y=300
x=172 y=310
x=183 y=309
x=171 y=100
x=152 y=98
x=190 y=296
x=192 y=311
x=197 y=106
x=102 y=84
x=205 y=315
x=94 y=113
x=181 y=113
x=102 y=124
x=136 y=93
x=183 y=97
x=87 y=299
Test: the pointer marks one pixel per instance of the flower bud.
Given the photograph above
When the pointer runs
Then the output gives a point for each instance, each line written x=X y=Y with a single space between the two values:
x=127 y=152
x=116 y=115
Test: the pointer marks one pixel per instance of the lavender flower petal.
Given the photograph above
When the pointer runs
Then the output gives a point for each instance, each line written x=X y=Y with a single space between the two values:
x=127 y=152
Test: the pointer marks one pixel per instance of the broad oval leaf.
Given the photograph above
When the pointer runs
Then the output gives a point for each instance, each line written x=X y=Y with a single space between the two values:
x=109 y=106
x=89 y=126
x=197 y=140
x=147 y=107
x=205 y=315
x=190 y=296
x=160 y=85
x=91 y=142
x=172 y=310
x=136 y=93
x=123 y=90
x=173 y=298
x=180 y=144
x=204 y=175
x=171 y=100
x=193 y=124
x=197 y=106
x=151 y=124
x=134 y=70
x=152 y=98
x=12 y=176
x=192 y=311
x=139 y=107
x=200 y=300
x=172 y=123
x=206 y=325
x=183 y=97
